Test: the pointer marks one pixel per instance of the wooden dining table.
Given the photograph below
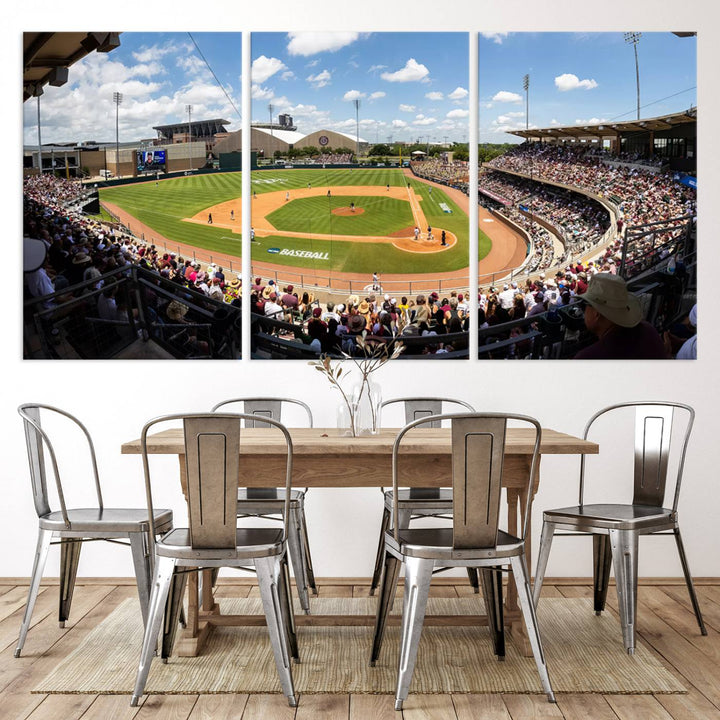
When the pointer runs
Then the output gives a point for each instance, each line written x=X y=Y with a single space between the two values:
x=322 y=457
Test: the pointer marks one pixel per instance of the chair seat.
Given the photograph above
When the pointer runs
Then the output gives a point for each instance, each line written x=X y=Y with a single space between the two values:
x=121 y=520
x=608 y=516
x=421 y=500
x=437 y=543
x=271 y=498
x=250 y=543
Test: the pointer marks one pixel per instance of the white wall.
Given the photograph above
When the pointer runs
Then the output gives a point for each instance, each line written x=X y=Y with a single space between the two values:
x=116 y=398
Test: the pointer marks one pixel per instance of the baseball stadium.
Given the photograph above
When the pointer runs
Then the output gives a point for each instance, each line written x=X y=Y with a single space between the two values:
x=344 y=240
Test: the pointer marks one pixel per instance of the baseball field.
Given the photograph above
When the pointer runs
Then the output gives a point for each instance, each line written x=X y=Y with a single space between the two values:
x=341 y=220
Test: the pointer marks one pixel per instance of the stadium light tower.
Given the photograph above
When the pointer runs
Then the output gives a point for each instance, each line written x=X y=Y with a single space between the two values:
x=634 y=38
x=270 y=110
x=188 y=110
x=117 y=99
x=356 y=102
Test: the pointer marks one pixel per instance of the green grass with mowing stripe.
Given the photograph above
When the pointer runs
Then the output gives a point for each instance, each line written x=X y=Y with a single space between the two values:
x=374 y=215
x=163 y=207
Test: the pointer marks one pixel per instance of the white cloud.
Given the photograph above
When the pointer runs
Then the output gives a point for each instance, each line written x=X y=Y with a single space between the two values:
x=352 y=95
x=458 y=94
x=554 y=122
x=259 y=92
x=435 y=95
x=496 y=37
x=590 y=121
x=508 y=97
x=412 y=72
x=406 y=108
x=375 y=68
x=265 y=67
x=458 y=113
x=353 y=64
x=422 y=120
x=320 y=79
x=377 y=95
x=399 y=124
x=313 y=63
x=310 y=43
x=287 y=75
x=568 y=81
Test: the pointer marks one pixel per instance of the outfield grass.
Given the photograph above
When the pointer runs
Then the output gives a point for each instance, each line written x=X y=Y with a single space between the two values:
x=163 y=206
x=375 y=215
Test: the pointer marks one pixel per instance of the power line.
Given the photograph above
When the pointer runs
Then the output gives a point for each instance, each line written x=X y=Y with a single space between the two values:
x=220 y=85
x=655 y=102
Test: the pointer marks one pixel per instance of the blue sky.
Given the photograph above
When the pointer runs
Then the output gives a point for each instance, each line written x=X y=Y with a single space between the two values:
x=576 y=78
x=410 y=85
x=158 y=75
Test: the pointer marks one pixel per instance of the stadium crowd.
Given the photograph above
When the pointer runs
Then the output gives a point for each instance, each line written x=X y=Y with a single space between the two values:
x=453 y=173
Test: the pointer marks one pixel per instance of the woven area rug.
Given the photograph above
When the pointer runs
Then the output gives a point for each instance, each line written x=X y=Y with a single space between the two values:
x=584 y=654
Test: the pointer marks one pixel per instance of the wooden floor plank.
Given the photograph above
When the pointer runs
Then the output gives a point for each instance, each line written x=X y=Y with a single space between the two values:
x=115 y=707
x=480 y=707
x=334 y=591
x=328 y=707
x=46 y=603
x=268 y=707
x=12 y=600
x=219 y=707
x=167 y=707
x=632 y=707
x=429 y=707
x=50 y=644
x=708 y=607
x=529 y=707
x=585 y=707
x=692 y=705
x=373 y=707
x=61 y=707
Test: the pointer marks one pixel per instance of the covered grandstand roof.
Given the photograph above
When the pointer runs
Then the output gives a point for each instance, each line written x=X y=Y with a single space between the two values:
x=198 y=128
x=48 y=55
x=611 y=129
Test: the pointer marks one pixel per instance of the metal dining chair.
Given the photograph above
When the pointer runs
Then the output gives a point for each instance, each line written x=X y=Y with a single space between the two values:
x=474 y=540
x=616 y=528
x=213 y=539
x=416 y=503
x=71 y=527
x=268 y=502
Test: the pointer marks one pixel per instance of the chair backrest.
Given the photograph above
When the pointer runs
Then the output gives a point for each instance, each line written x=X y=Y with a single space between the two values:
x=38 y=441
x=263 y=407
x=478 y=448
x=653 y=434
x=212 y=466
x=421 y=407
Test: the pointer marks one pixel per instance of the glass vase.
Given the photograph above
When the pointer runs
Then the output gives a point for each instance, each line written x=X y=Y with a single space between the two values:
x=368 y=398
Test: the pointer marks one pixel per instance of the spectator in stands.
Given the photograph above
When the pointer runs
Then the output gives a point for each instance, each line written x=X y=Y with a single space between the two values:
x=688 y=351
x=614 y=316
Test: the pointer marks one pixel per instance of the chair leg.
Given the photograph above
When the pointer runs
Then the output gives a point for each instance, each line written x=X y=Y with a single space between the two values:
x=602 y=561
x=164 y=570
x=173 y=608
x=286 y=608
x=624 y=545
x=474 y=580
x=418 y=574
x=143 y=570
x=689 y=581
x=307 y=558
x=493 y=597
x=385 y=602
x=268 y=574
x=546 y=538
x=296 y=557
x=380 y=557
x=522 y=582
x=41 y=553
x=69 y=559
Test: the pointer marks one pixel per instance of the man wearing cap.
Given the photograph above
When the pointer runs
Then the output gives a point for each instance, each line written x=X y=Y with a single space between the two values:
x=615 y=317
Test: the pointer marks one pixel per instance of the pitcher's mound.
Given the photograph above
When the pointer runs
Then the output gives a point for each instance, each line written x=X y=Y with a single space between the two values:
x=347 y=211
